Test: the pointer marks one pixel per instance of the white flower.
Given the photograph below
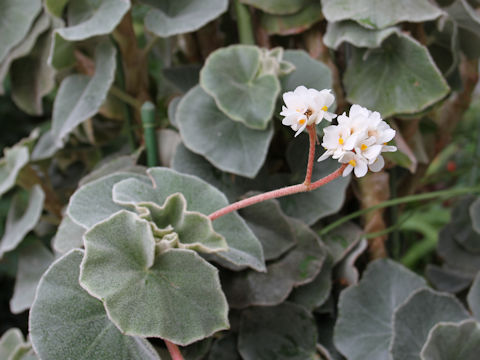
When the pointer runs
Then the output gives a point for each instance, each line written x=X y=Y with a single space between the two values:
x=358 y=140
x=306 y=107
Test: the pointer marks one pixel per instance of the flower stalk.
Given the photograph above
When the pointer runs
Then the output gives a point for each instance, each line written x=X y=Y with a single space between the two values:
x=174 y=350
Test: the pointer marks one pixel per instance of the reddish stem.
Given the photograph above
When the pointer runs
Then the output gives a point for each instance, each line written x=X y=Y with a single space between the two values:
x=289 y=190
x=311 y=154
x=173 y=350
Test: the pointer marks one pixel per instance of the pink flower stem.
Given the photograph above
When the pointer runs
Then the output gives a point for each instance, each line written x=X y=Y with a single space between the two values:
x=311 y=153
x=173 y=350
x=289 y=190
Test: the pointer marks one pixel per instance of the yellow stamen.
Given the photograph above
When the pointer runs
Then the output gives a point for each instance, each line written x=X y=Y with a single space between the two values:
x=353 y=163
x=363 y=147
x=384 y=143
x=301 y=121
x=340 y=141
x=325 y=108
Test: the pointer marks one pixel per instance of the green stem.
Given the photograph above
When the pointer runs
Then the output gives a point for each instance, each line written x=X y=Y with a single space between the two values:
x=423 y=247
x=244 y=24
x=123 y=96
x=401 y=200
x=148 y=121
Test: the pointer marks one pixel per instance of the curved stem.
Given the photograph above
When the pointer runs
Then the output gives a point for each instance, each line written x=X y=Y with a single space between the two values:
x=173 y=350
x=311 y=153
x=289 y=190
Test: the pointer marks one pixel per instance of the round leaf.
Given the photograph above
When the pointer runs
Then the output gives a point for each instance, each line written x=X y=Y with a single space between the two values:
x=286 y=331
x=93 y=18
x=22 y=217
x=351 y=32
x=364 y=325
x=447 y=341
x=121 y=269
x=227 y=144
x=17 y=17
x=67 y=323
x=398 y=78
x=231 y=76
x=413 y=320
x=173 y=17
x=378 y=14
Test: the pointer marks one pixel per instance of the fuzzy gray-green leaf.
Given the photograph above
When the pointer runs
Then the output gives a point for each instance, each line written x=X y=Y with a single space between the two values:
x=10 y=165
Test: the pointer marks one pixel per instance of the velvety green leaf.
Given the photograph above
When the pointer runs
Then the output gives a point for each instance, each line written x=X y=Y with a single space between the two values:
x=17 y=17
x=61 y=53
x=314 y=294
x=33 y=259
x=69 y=236
x=22 y=217
x=121 y=268
x=9 y=341
x=80 y=97
x=451 y=341
x=23 y=352
x=45 y=147
x=32 y=78
x=93 y=18
x=351 y=32
x=473 y=297
x=286 y=331
x=271 y=226
x=342 y=240
x=172 y=17
x=346 y=272
x=188 y=229
x=55 y=7
x=464 y=16
x=231 y=76
x=227 y=144
x=67 y=323
x=10 y=165
x=225 y=348
x=475 y=215
x=413 y=320
x=85 y=211
x=455 y=256
x=40 y=25
x=308 y=72
x=244 y=248
x=398 y=78
x=299 y=266
x=462 y=228
x=279 y=7
x=379 y=14
x=183 y=77
x=324 y=201
x=446 y=279
x=364 y=325
x=172 y=110
x=292 y=23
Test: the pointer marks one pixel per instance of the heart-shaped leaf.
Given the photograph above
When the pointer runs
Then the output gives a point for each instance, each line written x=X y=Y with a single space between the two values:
x=80 y=209
x=366 y=334
x=379 y=14
x=173 y=17
x=447 y=279
x=473 y=297
x=244 y=249
x=299 y=266
x=231 y=76
x=452 y=341
x=413 y=320
x=90 y=19
x=67 y=323
x=413 y=82
x=40 y=25
x=33 y=260
x=227 y=144
x=80 y=97
x=17 y=17
x=120 y=268
x=286 y=331
x=279 y=7
x=22 y=217
x=10 y=165
x=350 y=32
x=292 y=23
x=189 y=229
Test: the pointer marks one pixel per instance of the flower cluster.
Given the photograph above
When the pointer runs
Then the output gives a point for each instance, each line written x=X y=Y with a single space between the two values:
x=359 y=138
x=306 y=107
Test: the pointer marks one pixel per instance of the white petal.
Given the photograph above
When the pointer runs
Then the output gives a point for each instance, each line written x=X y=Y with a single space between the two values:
x=291 y=119
x=377 y=164
x=301 y=129
x=326 y=98
x=389 y=148
x=325 y=155
x=372 y=152
x=361 y=168
x=347 y=170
